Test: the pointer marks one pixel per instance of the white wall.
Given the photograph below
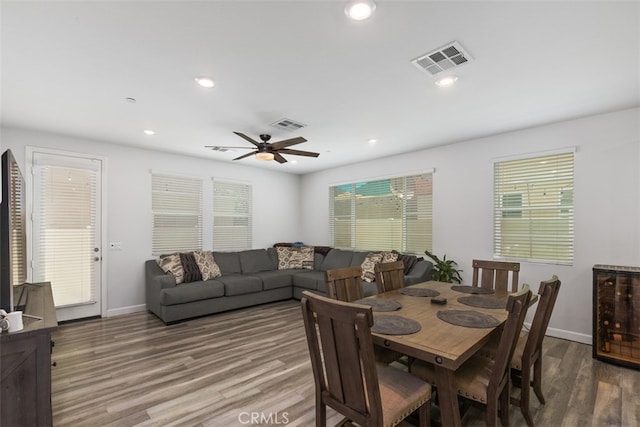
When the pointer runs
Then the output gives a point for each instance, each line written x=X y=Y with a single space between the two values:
x=128 y=200
x=607 y=202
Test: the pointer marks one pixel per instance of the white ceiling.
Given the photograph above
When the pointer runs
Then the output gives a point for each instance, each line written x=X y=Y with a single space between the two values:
x=67 y=67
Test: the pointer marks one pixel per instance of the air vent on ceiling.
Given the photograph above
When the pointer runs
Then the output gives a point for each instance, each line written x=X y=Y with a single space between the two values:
x=288 y=125
x=447 y=57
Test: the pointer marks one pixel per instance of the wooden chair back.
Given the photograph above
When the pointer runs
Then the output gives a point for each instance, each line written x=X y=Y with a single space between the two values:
x=548 y=293
x=345 y=284
x=341 y=350
x=389 y=276
x=495 y=275
x=517 y=305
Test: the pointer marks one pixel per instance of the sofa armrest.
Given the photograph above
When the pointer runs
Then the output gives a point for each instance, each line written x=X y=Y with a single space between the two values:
x=420 y=272
x=155 y=280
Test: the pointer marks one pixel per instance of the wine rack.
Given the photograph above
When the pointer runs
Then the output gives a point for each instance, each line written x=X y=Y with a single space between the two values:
x=616 y=315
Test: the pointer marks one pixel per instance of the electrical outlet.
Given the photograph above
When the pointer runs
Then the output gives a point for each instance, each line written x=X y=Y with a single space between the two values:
x=115 y=246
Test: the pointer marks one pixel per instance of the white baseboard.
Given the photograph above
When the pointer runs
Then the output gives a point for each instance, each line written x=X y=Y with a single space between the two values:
x=126 y=310
x=566 y=335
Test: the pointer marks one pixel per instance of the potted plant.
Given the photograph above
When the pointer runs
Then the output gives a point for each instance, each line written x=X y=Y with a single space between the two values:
x=444 y=270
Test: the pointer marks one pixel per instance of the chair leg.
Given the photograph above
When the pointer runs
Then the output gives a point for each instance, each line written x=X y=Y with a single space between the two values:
x=321 y=414
x=537 y=379
x=424 y=414
x=491 y=415
x=505 y=401
x=525 y=392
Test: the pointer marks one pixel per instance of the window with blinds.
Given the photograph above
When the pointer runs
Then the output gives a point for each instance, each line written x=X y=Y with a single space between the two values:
x=386 y=214
x=533 y=208
x=232 y=216
x=177 y=214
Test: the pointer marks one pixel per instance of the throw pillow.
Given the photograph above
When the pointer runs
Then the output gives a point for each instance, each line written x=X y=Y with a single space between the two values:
x=190 y=267
x=171 y=264
x=289 y=258
x=408 y=260
x=207 y=265
x=368 y=265
x=389 y=257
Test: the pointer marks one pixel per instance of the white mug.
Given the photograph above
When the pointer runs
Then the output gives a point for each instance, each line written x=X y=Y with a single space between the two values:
x=15 y=321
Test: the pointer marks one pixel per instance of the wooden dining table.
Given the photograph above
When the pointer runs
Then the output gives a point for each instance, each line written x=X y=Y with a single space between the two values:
x=443 y=344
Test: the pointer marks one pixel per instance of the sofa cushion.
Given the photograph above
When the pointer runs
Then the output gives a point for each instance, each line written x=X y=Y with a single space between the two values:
x=229 y=262
x=275 y=279
x=255 y=260
x=309 y=279
x=358 y=258
x=240 y=284
x=190 y=267
x=336 y=258
x=291 y=258
x=207 y=265
x=194 y=291
x=171 y=264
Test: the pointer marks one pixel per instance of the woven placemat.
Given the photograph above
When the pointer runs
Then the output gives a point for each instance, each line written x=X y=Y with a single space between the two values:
x=380 y=304
x=419 y=292
x=482 y=301
x=468 y=318
x=471 y=289
x=390 y=324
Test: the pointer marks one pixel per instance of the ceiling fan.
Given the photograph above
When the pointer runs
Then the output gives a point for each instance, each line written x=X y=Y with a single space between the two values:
x=268 y=151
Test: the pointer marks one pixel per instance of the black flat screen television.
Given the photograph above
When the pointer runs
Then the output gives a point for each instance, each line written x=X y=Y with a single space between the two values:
x=13 y=240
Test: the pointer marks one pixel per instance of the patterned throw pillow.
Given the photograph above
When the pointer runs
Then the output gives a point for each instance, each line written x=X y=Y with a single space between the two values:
x=368 y=265
x=190 y=267
x=208 y=267
x=289 y=258
x=389 y=257
x=171 y=264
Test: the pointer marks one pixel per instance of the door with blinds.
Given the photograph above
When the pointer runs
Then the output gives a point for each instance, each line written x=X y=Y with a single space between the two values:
x=66 y=231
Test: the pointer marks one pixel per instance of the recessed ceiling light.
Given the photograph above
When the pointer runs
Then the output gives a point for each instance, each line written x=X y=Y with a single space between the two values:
x=149 y=132
x=359 y=10
x=446 y=81
x=205 y=82
x=372 y=141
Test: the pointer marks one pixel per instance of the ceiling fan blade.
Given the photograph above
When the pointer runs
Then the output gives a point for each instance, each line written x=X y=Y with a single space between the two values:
x=228 y=146
x=242 y=135
x=287 y=142
x=299 y=153
x=245 y=155
x=278 y=158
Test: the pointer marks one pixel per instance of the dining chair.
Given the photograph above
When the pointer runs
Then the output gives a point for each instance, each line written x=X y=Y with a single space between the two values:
x=495 y=275
x=345 y=284
x=486 y=380
x=346 y=375
x=389 y=276
x=528 y=352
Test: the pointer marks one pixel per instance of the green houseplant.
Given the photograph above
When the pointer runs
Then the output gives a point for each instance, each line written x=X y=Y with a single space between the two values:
x=444 y=270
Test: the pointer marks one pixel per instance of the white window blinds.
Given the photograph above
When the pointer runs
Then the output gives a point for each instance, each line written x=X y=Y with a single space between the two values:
x=533 y=208
x=177 y=214
x=232 y=212
x=386 y=214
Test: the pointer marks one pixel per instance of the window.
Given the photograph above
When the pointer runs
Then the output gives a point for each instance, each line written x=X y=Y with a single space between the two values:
x=177 y=214
x=232 y=211
x=533 y=208
x=385 y=214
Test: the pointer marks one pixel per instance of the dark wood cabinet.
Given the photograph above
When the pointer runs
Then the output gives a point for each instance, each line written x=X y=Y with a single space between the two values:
x=616 y=314
x=25 y=362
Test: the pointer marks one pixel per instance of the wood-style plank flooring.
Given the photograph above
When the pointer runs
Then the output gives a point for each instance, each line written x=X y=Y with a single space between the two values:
x=251 y=367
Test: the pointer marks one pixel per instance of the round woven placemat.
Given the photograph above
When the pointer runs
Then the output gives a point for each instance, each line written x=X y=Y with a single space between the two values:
x=390 y=324
x=468 y=318
x=471 y=289
x=419 y=292
x=482 y=301
x=380 y=304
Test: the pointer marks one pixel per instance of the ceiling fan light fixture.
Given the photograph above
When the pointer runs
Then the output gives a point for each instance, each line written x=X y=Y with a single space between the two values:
x=265 y=156
x=359 y=10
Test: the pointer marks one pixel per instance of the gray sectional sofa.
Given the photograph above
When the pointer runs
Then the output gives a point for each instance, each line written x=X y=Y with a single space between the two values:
x=251 y=277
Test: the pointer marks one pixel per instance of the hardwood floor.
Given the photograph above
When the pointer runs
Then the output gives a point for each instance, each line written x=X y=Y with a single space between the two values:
x=251 y=367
